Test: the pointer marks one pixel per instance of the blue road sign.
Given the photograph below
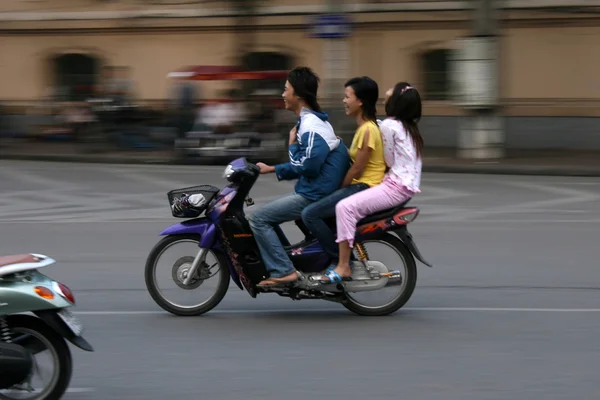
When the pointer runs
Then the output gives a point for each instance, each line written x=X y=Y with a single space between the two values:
x=330 y=26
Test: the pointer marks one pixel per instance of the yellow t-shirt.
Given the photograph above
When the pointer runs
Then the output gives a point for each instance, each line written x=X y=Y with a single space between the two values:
x=375 y=168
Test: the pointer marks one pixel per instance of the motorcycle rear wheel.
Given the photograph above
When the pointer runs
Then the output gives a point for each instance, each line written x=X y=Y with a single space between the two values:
x=63 y=362
x=409 y=281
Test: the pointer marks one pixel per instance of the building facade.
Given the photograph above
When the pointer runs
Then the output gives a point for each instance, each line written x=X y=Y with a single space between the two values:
x=550 y=56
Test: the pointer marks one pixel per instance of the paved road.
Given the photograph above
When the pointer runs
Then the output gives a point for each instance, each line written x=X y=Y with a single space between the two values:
x=509 y=311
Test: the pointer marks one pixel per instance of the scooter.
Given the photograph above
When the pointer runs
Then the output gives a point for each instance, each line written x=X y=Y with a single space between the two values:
x=225 y=233
x=24 y=289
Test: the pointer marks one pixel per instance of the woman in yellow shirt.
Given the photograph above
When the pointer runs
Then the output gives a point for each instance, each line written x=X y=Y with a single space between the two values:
x=366 y=153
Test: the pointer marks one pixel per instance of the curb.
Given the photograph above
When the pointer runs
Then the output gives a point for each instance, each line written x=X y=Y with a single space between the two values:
x=495 y=169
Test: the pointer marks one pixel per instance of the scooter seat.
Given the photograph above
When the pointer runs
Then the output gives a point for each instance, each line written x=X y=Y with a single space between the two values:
x=17 y=259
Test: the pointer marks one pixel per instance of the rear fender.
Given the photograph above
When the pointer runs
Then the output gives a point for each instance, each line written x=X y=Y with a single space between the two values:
x=51 y=318
x=406 y=237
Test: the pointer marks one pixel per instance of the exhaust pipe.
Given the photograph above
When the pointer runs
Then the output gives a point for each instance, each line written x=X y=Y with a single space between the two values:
x=394 y=278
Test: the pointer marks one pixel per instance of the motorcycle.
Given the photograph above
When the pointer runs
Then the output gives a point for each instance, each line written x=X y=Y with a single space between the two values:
x=22 y=337
x=224 y=232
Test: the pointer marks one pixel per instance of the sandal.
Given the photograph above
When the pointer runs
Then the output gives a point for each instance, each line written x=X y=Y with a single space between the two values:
x=333 y=277
x=328 y=270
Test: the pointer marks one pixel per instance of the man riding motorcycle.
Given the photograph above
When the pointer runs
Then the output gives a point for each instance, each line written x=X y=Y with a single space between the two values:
x=318 y=159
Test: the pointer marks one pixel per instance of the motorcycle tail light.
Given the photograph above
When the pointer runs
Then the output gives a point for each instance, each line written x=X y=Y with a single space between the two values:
x=406 y=216
x=64 y=292
x=410 y=216
x=44 y=292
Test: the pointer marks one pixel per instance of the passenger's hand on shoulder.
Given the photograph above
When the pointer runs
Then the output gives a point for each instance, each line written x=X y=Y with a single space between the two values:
x=264 y=168
x=293 y=136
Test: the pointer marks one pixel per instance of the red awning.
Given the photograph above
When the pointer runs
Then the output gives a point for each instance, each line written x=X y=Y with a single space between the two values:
x=224 y=73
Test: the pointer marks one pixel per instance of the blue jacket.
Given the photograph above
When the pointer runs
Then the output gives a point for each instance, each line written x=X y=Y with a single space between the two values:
x=319 y=160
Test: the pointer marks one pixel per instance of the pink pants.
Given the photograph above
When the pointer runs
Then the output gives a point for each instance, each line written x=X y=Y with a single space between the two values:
x=352 y=209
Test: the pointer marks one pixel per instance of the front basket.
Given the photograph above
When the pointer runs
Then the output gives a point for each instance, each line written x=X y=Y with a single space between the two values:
x=209 y=192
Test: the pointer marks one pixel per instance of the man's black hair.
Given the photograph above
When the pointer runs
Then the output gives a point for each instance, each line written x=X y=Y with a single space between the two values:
x=306 y=84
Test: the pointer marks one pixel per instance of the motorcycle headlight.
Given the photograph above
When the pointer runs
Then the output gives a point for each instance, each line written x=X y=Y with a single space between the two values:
x=228 y=171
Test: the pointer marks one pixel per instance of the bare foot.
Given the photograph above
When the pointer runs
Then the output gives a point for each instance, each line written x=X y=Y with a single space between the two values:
x=276 y=281
x=267 y=282
x=288 y=278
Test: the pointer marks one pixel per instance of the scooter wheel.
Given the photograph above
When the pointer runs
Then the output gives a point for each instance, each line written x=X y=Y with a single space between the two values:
x=63 y=361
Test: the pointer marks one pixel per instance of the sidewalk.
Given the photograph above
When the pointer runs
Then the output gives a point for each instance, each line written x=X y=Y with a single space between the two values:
x=568 y=163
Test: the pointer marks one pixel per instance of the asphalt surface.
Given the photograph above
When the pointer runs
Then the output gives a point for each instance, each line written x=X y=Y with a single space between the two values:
x=511 y=309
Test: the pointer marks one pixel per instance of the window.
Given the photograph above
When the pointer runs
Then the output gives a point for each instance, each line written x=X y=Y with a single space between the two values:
x=75 y=75
x=265 y=61
x=435 y=67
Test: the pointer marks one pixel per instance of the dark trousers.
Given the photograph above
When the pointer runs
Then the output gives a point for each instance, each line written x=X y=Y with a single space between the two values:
x=314 y=215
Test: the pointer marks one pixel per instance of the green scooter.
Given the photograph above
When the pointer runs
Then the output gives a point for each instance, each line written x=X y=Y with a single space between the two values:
x=23 y=289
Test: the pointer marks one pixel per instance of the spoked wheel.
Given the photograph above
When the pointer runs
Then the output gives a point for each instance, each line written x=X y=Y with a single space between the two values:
x=52 y=367
x=171 y=259
x=396 y=257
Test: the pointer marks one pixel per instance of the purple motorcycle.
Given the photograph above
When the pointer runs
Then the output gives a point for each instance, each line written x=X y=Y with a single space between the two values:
x=223 y=235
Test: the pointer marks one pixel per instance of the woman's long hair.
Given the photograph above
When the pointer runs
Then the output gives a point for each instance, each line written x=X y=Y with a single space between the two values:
x=367 y=91
x=404 y=105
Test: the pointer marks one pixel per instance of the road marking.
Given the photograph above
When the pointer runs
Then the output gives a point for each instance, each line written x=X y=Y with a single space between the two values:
x=323 y=310
x=73 y=390
x=46 y=198
x=80 y=390
x=138 y=176
x=440 y=193
x=38 y=181
x=506 y=309
x=572 y=196
x=434 y=220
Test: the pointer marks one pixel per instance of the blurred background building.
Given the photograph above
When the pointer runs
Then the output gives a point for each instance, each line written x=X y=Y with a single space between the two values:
x=549 y=55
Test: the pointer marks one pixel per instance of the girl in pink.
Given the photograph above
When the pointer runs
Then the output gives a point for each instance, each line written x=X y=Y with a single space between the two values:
x=403 y=146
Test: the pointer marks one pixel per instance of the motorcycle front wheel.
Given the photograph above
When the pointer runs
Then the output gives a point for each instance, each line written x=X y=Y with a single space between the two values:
x=174 y=270
x=37 y=337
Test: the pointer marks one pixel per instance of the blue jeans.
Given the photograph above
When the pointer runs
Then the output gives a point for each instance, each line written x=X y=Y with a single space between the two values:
x=265 y=226
x=313 y=217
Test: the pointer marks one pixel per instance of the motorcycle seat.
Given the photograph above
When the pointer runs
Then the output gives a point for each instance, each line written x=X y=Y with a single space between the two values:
x=17 y=259
x=384 y=214
x=390 y=212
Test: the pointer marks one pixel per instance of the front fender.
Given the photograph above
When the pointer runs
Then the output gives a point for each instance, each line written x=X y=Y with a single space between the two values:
x=199 y=226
